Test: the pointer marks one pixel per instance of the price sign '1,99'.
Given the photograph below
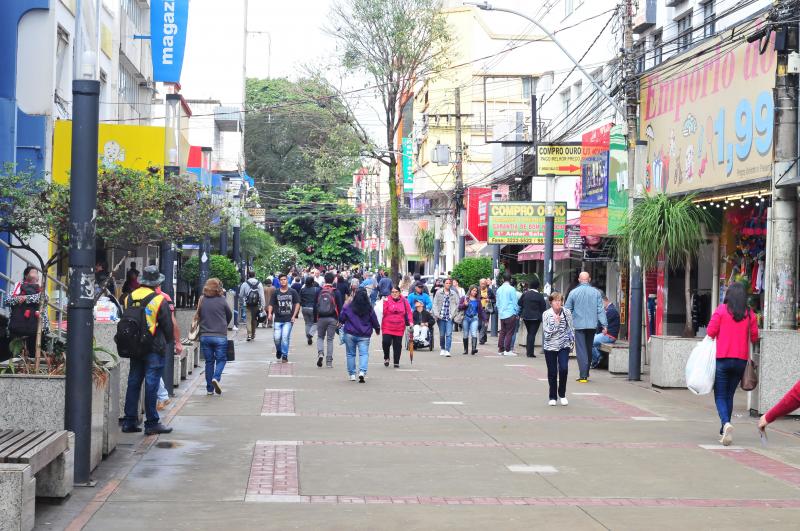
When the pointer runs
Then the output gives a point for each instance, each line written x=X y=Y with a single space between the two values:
x=754 y=127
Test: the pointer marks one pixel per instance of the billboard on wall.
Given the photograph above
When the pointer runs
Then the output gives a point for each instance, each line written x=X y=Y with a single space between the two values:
x=408 y=164
x=478 y=200
x=523 y=223
x=558 y=159
x=708 y=118
x=594 y=168
x=168 y=22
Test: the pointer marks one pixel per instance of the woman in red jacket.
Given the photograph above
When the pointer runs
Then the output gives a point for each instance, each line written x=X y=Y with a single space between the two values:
x=732 y=325
x=788 y=403
x=396 y=316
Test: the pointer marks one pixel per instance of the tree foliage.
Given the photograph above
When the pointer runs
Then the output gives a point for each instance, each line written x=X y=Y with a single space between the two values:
x=220 y=267
x=23 y=214
x=396 y=43
x=255 y=242
x=424 y=239
x=136 y=208
x=320 y=227
x=281 y=259
x=470 y=270
x=291 y=137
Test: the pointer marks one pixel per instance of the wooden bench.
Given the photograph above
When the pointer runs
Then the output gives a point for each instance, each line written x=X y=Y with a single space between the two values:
x=32 y=463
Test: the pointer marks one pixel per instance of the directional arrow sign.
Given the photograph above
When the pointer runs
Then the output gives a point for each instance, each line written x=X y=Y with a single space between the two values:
x=558 y=159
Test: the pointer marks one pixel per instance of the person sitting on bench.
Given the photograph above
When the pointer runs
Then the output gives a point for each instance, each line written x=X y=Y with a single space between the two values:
x=606 y=335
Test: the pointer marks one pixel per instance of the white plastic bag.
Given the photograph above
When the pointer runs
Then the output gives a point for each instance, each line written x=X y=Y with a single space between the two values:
x=701 y=367
x=379 y=310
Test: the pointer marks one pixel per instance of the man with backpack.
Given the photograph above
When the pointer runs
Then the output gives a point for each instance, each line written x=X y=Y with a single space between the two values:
x=384 y=285
x=24 y=304
x=143 y=333
x=252 y=293
x=326 y=315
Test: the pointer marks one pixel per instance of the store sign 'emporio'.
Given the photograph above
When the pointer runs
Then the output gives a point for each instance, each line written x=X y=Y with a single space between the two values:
x=168 y=22
x=708 y=117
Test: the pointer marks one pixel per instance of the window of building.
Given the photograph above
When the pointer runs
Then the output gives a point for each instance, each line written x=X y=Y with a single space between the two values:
x=62 y=44
x=658 y=48
x=709 y=19
x=128 y=88
x=135 y=12
x=569 y=7
x=544 y=83
x=565 y=101
x=528 y=87
x=638 y=56
x=577 y=90
x=684 y=32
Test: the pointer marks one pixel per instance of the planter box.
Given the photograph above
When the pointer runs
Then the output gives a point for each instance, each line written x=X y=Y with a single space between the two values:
x=33 y=402
x=778 y=367
x=184 y=318
x=668 y=357
x=111 y=431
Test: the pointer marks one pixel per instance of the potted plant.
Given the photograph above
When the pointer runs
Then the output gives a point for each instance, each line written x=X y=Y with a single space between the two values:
x=669 y=228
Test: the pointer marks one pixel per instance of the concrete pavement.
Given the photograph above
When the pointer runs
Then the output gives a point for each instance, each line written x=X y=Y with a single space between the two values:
x=466 y=442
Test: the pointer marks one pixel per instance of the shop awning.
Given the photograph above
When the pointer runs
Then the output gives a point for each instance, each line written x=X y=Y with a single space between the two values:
x=536 y=252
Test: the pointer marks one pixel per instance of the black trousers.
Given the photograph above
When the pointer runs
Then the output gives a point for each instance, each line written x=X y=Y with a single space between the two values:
x=395 y=342
x=533 y=328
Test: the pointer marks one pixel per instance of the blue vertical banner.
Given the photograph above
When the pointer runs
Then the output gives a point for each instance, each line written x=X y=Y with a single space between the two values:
x=408 y=164
x=168 y=22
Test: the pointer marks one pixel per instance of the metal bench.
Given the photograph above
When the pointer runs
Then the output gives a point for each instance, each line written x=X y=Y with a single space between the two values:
x=32 y=463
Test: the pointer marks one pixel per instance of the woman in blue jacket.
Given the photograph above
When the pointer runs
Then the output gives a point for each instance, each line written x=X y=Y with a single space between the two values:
x=359 y=320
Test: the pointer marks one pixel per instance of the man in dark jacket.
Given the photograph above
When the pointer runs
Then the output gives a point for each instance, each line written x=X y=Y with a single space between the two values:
x=532 y=306
x=608 y=334
x=385 y=285
x=148 y=368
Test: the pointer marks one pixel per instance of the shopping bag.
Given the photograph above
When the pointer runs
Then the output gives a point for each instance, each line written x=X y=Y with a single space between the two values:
x=379 y=310
x=701 y=367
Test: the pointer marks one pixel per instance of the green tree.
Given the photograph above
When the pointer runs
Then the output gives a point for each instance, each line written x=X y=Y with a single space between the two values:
x=673 y=226
x=470 y=270
x=320 y=227
x=291 y=137
x=280 y=259
x=220 y=267
x=255 y=242
x=395 y=42
x=423 y=239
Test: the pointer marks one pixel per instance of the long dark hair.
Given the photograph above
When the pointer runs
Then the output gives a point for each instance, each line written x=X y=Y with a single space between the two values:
x=360 y=303
x=736 y=301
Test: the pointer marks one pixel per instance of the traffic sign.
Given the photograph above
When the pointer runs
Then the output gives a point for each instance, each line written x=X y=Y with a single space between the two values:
x=558 y=159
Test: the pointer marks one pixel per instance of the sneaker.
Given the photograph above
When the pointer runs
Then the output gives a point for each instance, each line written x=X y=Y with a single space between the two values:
x=386 y=362
x=278 y=355
x=352 y=377
x=447 y=353
x=441 y=353
x=727 y=434
x=209 y=393
x=157 y=429
x=361 y=377
x=131 y=429
x=329 y=364
x=509 y=353
x=563 y=401
x=319 y=360
x=551 y=403
x=310 y=341
x=235 y=328
x=582 y=380
x=249 y=338
x=284 y=360
x=217 y=387
x=396 y=365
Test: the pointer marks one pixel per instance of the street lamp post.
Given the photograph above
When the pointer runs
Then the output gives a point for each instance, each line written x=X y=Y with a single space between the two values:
x=549 y=229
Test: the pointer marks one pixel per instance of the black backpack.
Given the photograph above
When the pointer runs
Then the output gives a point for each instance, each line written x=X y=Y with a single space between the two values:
x=326 y=304
x=133 y=338
x=24 y=320
x=253 y=299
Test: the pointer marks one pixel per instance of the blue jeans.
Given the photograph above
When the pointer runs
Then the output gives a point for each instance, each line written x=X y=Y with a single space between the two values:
x=282 y=333
x=729 y=374
x=146 y=369
x=215 y=352
x=599 y=339
x=445 y=334
x=557 y=369
x=353 y=344
x=470 y=325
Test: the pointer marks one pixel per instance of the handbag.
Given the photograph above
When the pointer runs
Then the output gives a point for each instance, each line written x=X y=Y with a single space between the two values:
x=194 y=329
x=750 y=376
x=231 y=351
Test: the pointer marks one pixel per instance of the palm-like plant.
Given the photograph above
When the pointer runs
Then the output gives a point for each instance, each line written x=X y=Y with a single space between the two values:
x=672 y=226
x=424 y=242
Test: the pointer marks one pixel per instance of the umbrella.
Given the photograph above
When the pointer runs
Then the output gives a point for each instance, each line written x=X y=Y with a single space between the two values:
x=411 y=345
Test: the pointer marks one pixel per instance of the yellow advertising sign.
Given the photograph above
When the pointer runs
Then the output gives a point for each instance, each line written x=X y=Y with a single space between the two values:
x=130 y=146
x=558 y=159
x=708 y=120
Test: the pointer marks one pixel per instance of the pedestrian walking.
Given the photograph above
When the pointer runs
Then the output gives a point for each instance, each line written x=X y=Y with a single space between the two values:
x=518 y=292
x=733 y=324
x=396 y=318
x=445 y=305
x=384 y=285
x=532 y=305
x=473 y=315
x=488 y=302
x=507 y=309
x=358 y=320
x=406 y=284
x=251 y=292
x=214 y=315
x=585 y=302
x=558 y=336
x=285 y=305
x=147 y=363
x=326 y=314
x=269 y=289
x=308 y=303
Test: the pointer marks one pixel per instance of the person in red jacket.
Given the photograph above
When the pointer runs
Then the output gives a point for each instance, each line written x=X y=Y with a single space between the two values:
x=788 y=403
x=396 y=317
x=732 y=325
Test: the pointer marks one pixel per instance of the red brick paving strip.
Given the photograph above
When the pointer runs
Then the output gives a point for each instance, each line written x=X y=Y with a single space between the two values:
x=765 y=465
x=278 y=402
x=281 y=369
x=485 y=445
x=273 y=471
x=464 y=417
x=618 y=406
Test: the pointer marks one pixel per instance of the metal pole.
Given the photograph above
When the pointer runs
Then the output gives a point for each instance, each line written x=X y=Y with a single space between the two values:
x=205 y=263
x=460 y=212
x=83 y=202
x=223 y=240
x=486 y=7
x=236 y=252
x=495 y=269
x=549 y=228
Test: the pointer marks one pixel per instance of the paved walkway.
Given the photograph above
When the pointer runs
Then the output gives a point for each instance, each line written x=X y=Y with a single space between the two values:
x=466 y=442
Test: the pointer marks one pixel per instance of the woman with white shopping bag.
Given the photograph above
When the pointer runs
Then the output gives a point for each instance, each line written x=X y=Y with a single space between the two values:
x=732 y=325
